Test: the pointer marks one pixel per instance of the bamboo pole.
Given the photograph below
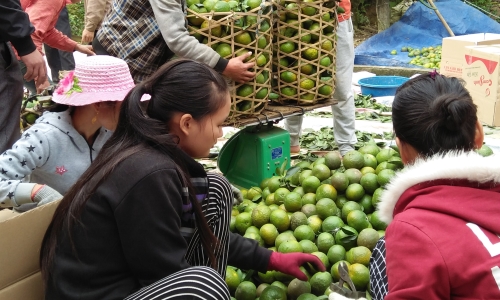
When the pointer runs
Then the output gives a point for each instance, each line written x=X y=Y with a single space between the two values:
x=441 y=18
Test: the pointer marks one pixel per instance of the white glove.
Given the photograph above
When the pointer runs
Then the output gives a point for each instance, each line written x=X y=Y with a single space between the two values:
x=237 y=195
x=46 y=195
x=335 y=296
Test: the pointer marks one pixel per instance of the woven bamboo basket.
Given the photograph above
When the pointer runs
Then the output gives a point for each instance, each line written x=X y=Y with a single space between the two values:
x=33 y=107
x=232 y=34
x=305 y=51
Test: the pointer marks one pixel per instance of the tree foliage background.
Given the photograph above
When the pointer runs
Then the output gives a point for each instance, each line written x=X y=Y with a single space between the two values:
x=360 y=8
x=76 y=18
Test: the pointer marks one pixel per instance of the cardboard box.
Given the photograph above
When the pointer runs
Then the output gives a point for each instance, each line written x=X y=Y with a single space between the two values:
x=481 y=73
x=21 y=237
x=452 y=53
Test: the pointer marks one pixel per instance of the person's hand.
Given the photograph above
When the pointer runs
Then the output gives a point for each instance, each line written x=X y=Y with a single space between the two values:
x=41 y=86
x=85 y=49
x=87 y=36
x=237 y=69
x=44 y=194
x=237 y=195
x=289 y=263
x=35 y=66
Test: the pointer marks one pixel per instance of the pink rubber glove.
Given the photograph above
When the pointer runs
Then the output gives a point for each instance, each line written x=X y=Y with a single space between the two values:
x=289 y=263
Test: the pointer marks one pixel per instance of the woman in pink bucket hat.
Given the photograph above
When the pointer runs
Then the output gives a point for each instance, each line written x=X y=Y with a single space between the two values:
x=53 y=153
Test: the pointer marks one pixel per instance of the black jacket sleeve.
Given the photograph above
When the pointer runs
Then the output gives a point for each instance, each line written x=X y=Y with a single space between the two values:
x=15 y=27
x=247 y=254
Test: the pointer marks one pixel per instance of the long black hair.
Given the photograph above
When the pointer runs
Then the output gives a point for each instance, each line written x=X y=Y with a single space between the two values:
x=434 y=113
x=179 y=86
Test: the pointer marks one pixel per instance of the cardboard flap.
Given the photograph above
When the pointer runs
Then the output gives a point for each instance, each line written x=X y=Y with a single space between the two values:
x=21 y=239
x=452 y=55
x=30 y=288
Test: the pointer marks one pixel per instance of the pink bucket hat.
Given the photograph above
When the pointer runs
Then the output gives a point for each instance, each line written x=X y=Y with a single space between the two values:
x=96 y=78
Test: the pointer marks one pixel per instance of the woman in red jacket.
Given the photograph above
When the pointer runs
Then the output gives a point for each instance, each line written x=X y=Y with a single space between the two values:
x=442 y=241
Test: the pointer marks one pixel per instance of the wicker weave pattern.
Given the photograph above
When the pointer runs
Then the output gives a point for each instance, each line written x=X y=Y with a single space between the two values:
x=313 y=36
x=223 y=28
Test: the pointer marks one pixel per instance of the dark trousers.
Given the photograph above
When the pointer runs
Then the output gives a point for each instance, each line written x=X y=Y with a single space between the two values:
x=59 y=60
x=98 y=48
x=11 y=97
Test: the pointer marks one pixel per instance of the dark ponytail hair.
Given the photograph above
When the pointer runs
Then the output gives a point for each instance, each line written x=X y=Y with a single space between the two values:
x=434 y=113
x=179 y=86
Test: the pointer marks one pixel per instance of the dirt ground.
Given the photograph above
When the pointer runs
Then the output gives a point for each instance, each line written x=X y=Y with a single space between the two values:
x=362 y=33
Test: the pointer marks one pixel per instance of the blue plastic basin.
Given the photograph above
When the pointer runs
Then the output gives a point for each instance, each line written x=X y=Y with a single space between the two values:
x=378 y=86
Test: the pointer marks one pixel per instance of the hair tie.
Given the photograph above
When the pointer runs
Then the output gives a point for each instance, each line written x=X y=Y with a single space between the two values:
x=433 y=74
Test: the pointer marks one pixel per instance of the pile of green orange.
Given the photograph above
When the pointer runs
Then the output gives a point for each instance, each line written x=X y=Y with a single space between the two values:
x=427 y=57
x=325 y=207
x=233 y=28
x=304 y=50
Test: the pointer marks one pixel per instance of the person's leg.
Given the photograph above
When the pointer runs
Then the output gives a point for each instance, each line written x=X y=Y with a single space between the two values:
x=217 y=208
x=344 y=111
x=294 y=126
x=11 y=97
x=30 y=85
x=191 y=283
x=67 y=59
x=54 y=62
x=60 y=60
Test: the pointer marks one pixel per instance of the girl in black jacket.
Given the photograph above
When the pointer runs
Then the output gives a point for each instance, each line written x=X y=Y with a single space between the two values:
x=145 y=221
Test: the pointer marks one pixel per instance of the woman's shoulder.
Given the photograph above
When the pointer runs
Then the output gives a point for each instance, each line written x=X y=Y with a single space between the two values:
x=143 y=168
x=146 y=161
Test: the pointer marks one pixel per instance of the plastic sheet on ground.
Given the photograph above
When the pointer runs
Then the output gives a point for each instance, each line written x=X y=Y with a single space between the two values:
x=420 y=27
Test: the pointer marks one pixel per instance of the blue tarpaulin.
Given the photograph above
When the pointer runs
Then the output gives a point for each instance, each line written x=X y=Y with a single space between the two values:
x=420 y=27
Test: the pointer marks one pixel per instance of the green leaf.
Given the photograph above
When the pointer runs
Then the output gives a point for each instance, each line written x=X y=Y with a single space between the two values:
x=240 y=273
x=277 y=171
x=395 y=147
x=283 y=167
x=257 y=198
x=249 y=275
x=349 y=238
x=292 y=171
x=395 y=160
x=348 y=231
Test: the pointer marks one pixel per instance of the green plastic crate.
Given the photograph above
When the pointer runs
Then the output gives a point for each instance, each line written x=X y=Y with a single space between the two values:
x=253 y=154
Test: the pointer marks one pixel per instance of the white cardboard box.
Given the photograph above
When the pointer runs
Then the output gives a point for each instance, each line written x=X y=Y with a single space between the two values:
x=481 y=73
x=453 y=51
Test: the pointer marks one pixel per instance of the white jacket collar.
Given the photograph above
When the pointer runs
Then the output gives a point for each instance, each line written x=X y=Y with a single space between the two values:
x=452 y=165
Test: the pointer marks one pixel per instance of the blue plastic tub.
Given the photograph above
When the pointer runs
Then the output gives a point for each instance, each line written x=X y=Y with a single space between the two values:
x=378 y=86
